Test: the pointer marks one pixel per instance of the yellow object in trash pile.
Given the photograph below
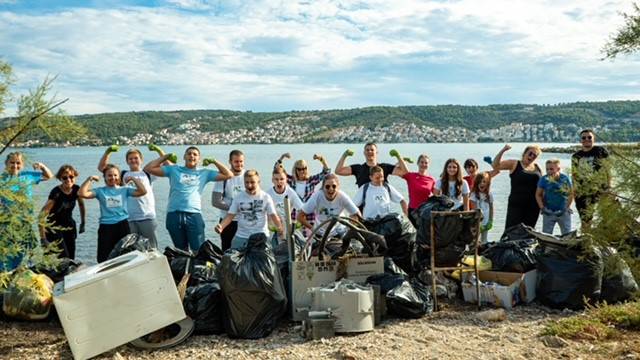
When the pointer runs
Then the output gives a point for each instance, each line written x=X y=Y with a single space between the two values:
x=28 y=296
x=483 y=264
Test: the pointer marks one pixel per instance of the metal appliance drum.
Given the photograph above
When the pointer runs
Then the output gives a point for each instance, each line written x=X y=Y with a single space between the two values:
x=352 y=305
x=104 y=306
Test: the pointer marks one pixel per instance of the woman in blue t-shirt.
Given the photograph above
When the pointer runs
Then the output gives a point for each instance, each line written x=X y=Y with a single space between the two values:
x=114 y=216
x=16 y=201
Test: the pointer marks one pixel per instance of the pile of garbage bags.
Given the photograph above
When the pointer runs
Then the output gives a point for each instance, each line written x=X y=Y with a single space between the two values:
x=400 y=238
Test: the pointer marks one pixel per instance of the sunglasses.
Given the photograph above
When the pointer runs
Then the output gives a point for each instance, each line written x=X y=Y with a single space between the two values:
x=587 y=138
x=301 y=169
x=69 y=177
x=330 y=186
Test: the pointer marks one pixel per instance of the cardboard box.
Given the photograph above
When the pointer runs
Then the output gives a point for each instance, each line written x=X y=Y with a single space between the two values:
x=316 y=273
x=502 y=289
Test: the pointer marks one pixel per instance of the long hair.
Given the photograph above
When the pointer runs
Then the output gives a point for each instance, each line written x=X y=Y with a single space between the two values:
x=444 y=178
x=299 y=163
x=476 y=184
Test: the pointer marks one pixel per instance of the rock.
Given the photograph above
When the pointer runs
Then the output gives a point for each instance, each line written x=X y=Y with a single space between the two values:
x=492 y=315
x=554 y=341
x=514 y=339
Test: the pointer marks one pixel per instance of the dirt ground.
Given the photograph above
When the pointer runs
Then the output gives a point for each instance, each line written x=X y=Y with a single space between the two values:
x=456 y=332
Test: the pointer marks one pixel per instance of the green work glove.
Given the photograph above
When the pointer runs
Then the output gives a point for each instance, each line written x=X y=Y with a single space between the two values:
x=408 y=159
x=173 y=158
x=113 y=148
x=273 y=229
x=208 y=161
x=349 y=152
x=394 y=153
x=154 y=147
x=488 y=227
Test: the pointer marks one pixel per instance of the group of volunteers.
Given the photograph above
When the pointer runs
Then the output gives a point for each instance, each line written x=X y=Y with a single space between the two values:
x=127 y=201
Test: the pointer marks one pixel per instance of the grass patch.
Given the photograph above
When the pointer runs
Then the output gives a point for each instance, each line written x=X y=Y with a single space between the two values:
x=599 y=322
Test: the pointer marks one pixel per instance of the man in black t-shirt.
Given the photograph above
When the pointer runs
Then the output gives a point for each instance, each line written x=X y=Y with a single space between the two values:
x=361 y=171
x=589 y=182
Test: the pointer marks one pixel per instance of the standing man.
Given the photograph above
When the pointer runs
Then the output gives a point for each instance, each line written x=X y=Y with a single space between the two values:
x=250 y=209
x=186 y=184
x=590 y=179
x=361 y=171
x=331 y=201
x=225 y=191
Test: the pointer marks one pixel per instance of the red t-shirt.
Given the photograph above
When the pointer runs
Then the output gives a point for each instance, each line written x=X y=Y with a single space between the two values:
x=420 y=188
x=470 y=180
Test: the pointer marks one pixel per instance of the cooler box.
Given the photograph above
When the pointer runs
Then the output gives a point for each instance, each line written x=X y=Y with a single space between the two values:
x=117 y=301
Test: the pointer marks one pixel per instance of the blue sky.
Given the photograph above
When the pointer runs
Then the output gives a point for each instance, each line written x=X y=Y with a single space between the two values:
x=302 y=55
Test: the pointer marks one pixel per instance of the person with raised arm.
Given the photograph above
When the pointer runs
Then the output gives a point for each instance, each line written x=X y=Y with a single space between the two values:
x=224 y=192
x=554 y=196
x=524 y=174
x=419 y=184
x=251 y=208
x=361 y=171
x=114 y=224
x=142 y=210
x=59 y=211
x=186 y=184
x=20 y=203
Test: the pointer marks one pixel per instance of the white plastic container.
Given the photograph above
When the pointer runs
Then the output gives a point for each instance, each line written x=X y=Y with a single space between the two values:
x=352 y=305
x=117 y=301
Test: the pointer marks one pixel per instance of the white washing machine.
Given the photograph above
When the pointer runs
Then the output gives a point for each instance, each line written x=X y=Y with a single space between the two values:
x=107 y=305
x=352 y=305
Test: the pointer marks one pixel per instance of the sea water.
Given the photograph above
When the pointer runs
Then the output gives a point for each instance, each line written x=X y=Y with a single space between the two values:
x=262 y=158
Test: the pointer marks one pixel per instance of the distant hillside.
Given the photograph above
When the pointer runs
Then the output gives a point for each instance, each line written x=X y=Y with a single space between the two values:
x=620 y=120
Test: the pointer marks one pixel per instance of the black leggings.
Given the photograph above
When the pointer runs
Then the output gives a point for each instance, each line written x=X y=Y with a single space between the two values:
x=525 y=212
x=584 y=204
x=67 y=241
x=108 y=237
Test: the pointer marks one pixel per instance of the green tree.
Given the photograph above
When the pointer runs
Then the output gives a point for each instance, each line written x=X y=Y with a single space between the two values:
x=627 y=39
x=37 y=115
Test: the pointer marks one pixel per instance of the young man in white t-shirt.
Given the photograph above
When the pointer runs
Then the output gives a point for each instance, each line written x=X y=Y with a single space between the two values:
x=280 y=190
x=376 y=197
x=250 y=209
x=142 y=210
x=331 y=201
x=225 y=191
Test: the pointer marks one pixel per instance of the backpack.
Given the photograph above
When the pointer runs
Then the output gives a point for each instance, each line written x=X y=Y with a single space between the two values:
x=364 y=193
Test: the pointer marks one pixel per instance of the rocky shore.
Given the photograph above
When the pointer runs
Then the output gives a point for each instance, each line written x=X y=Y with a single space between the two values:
x=456 y=332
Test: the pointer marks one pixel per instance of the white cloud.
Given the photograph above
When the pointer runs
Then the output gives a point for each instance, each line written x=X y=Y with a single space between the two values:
x=266 y=55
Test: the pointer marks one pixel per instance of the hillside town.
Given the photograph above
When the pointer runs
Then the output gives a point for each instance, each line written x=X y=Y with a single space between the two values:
x=287 y=131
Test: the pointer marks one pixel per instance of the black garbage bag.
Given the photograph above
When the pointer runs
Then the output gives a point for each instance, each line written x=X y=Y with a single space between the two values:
x=512 y=256
x=130 y=243
x=400 y=237
x=422 y=216
x=516 y=232
x=566 y=275
x=202 y=264
x=455 y=234
x=281 y=253
x=409 y=299
x=390 y=267
x=254 y=295
x=57 y=274
x=618 y=283
x=204 y=303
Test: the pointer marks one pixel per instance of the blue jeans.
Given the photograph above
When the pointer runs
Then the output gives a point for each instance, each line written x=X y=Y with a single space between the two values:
x=186 y=229
x=562 y=218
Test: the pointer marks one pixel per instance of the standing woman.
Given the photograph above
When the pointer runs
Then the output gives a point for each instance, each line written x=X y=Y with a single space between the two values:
x=59 y=210
x=420 y=184
x=452 y=184
x=16 y=205
x=301 y=182
x=114 y=216
x=524 y=174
